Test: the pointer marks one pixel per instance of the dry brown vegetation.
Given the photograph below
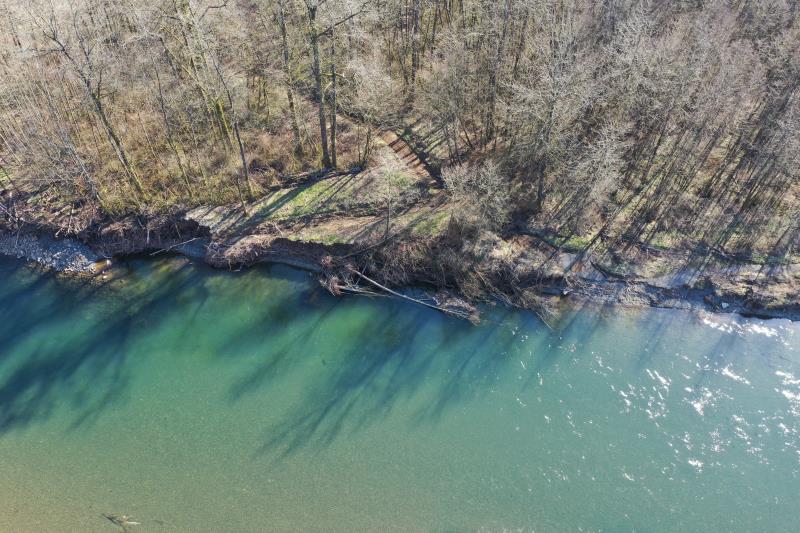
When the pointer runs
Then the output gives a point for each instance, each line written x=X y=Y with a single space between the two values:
x=664 y=125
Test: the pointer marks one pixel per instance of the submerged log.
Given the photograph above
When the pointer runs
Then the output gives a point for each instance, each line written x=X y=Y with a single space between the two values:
x=123 y=521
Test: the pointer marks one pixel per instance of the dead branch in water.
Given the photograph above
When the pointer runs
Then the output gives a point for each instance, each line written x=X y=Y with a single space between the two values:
x=466 y=313
x=336 y=288
x=173 y=246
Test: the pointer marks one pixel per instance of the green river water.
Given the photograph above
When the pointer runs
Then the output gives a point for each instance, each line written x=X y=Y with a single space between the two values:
x=197 y=400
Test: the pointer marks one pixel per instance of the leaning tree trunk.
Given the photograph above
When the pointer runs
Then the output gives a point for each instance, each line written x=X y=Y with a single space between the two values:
x=287 y=72
x=323 y=126
x=493 y=73
x=333 y=103
x=115 y=141
x=414 y=50
x=245 y=171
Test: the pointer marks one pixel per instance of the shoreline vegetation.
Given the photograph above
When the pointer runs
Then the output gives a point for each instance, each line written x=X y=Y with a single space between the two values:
x=634 y=153
x=724 y=287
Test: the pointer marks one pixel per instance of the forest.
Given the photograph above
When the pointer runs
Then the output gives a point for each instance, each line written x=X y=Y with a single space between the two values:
x=651 y=124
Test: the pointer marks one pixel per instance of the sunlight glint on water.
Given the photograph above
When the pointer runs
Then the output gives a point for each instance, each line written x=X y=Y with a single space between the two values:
x=195 y=400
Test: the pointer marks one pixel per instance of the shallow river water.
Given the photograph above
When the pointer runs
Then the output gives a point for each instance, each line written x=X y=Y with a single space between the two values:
x=197 y=400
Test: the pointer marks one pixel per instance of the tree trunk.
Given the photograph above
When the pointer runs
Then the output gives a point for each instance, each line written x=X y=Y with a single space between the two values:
x=540 y=170
x=170 y=136
x=115 y=142
x=414 y=50
x=493 y=73
x=333 y=102
x=245 y=171
x=323 y=126
x=287 y=71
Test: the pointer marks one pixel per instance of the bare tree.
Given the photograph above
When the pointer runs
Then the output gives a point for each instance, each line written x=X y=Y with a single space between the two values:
x=89 y=70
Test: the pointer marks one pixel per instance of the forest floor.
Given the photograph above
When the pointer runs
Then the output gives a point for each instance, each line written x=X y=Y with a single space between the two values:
x=399 y=200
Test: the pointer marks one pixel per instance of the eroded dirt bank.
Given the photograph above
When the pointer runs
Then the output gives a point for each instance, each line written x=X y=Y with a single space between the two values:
x=526 y=272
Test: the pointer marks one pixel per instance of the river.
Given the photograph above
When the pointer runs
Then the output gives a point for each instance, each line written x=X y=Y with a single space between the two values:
x=198 y=400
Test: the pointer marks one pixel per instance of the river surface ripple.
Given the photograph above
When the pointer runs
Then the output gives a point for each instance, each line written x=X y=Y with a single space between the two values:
x=198 y=400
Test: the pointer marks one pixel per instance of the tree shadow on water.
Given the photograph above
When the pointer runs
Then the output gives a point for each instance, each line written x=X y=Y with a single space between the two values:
x=72 y=352
x=280 y=355
x=360 y=360
x=397 y=353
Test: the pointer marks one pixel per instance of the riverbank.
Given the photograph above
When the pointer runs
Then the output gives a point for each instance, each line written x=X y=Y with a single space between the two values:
x=61 y=255
x=542 y=276
x=392 y=222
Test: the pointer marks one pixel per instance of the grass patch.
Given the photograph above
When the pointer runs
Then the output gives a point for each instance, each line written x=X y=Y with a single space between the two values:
x=5 y=178
x=317 y=198
x=324 y=196
x=575 y=243
x=432 y=225
x=334 y=195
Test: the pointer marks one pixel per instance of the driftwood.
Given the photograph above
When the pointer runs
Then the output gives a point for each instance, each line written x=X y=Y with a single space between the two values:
x=336 y=288
x=14 y=217
x=466 y=314
x=173 y=246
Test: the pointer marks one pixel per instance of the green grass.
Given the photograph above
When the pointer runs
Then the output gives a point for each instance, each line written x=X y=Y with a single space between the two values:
x=398 y=180
x=324 y=196
x=5 y=178
x=760 y=258
x=575 y=243
x=432 y=225
x=332 y=195
x=320 y=197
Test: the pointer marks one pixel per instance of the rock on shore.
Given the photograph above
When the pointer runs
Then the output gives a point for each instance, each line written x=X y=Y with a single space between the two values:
x=63 y=255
